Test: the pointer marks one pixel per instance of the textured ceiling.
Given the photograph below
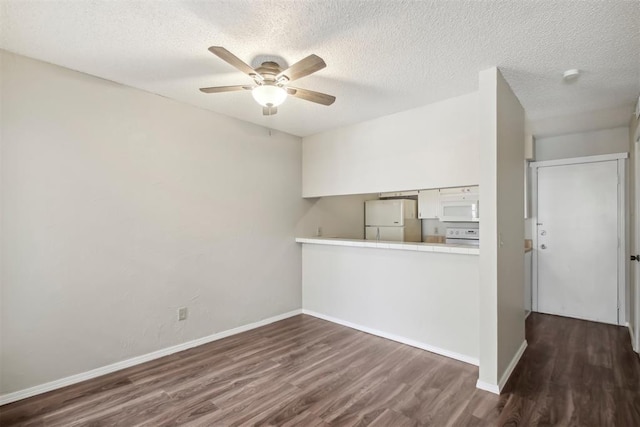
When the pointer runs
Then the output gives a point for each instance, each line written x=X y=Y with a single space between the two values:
x=382 y=56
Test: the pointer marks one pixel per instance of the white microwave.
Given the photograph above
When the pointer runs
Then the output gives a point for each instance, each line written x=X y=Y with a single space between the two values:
x=460 y=204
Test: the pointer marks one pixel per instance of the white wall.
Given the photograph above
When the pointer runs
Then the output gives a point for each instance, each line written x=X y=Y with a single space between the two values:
x=633 y=295
x=2 y=238
x=120 y=206
x=501 y=119
x=582 y=144
x=510 y=210
x=428 y=147
x=607 y=118
x=428 y=297
x=337 y=216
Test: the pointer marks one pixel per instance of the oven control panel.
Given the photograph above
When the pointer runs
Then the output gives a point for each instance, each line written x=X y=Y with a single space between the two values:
x=463 y=233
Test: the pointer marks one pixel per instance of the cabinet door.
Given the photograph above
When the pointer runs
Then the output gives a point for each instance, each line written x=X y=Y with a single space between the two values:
x=428 y=204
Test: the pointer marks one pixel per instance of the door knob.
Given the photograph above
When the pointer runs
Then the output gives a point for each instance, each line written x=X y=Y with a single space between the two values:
x=543 y=246
x=635 y=258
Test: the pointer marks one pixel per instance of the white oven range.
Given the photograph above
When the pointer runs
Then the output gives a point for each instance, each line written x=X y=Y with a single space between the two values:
x=463 y=236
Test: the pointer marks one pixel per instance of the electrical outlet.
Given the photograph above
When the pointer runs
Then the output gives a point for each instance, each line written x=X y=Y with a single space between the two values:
x=182 y=313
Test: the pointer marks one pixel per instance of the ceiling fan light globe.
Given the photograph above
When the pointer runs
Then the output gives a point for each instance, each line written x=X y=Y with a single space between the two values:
x=269 y=95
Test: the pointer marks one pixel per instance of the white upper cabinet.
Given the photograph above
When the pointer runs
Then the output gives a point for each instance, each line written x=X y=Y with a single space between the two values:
x=428 y=204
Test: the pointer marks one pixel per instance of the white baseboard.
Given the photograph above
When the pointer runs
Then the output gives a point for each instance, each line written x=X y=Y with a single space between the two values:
x=497 y=388
x=397 y=338
x=492 y=388
x=73 y=379
x=512 y=365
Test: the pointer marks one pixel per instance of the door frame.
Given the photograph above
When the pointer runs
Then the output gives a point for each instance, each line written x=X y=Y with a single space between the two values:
x=634 y=329
x=623 y=250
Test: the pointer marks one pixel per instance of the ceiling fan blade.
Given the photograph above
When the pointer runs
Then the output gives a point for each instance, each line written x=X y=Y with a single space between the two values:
x=269 y=111
x=219 y=89
x=230 y=58
x=308 y=65
x=310 y=95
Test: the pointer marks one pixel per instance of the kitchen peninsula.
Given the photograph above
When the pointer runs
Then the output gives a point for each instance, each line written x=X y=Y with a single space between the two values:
x=421 y=294
x=466 y=306
x=404 y=246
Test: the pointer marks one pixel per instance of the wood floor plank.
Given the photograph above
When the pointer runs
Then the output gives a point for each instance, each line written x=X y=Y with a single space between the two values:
x=304 y=371
x=127 y=414
x=179 y=413
x=392 y=418
x=252 y=407
x=363 y=408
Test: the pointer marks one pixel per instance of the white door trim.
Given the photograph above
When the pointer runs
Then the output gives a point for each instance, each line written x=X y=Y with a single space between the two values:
x=634 y=329
x=576 y=160
x=623 y=248
x=622 y=245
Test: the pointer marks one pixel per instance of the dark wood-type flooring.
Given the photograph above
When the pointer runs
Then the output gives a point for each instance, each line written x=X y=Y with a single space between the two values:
x=308 y=372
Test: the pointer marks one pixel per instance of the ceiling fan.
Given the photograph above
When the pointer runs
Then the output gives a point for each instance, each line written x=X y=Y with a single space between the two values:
x=271 y=82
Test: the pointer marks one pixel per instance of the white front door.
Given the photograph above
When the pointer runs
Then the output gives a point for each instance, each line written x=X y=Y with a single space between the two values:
x=577 y=237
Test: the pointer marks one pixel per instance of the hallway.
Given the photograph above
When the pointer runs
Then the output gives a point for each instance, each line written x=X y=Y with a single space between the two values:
x=574 y=373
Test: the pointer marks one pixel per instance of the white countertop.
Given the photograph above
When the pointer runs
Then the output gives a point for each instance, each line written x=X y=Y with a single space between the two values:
x=403 y=246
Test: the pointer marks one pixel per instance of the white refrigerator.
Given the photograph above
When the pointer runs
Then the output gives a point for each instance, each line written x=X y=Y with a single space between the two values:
x=392 y=220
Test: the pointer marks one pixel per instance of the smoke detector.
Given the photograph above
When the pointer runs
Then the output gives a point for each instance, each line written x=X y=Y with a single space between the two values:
x=571 y=75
